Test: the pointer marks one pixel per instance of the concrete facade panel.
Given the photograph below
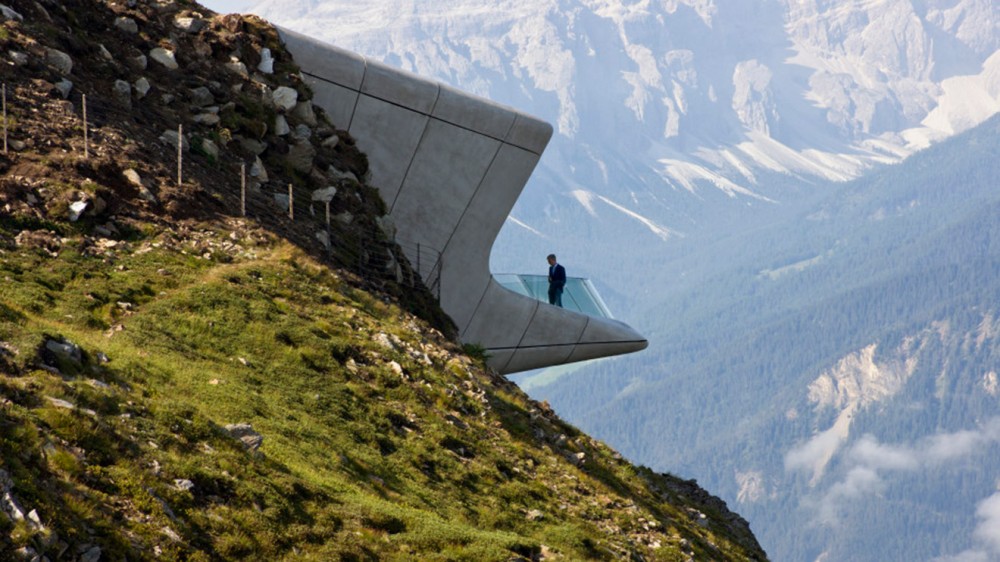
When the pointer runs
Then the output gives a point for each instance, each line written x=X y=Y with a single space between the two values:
x=518 y=312
x=530 y=133
x=460 y=108
x=339 y=102
x=447 y=169
x=499 y=360
x=525 y=359
x=585 y=351
x=324 y=60
x=389 y=135
x=602 y=330
x=400 y=87
x=499 y=189
x=552 y=325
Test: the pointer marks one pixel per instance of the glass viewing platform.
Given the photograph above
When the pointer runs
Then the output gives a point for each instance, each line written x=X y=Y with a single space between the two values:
x=579 y=294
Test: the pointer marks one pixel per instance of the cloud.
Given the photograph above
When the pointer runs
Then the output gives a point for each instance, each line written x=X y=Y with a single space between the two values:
x=986 y=535
x=868 y=463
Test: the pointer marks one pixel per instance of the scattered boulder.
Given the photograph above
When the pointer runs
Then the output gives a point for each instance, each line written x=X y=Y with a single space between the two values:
x=338 y=174
x=210 y=148
x=189 y=24
x=300 y=157
x=331 y=141
x=164 y=57
x=281 y=127
x=65 y=87
x=245 y=433
x=18 y=58
x=285 y=98
x=238 y=68
x=305 y=113
x=258 y=171
x=10 y=14
x=266 y=61
x=142 y=87
x=127 y=25
x=76 y=210
x=105 y=53
x=172 y=138
x=66 y=350
x=139 y=62
x=183 y=484
x=201 y=97
x=123 y=93
x=135 y=179
x=324 y=195
x=59 y=60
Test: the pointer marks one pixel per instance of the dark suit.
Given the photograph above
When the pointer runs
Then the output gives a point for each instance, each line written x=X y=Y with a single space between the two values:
x=557 y=280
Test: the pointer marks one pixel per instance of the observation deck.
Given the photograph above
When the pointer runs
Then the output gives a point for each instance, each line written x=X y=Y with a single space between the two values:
x=450 y=166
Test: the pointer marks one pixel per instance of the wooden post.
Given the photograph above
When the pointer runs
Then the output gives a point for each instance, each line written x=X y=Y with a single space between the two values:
x=243 y=189
x=291 y=203
x=328 y=216
x=180 y=155
x=86 y=131
x=4 y=88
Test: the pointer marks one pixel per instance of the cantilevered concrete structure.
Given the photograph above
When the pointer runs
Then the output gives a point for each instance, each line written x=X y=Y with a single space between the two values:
x=450 y=166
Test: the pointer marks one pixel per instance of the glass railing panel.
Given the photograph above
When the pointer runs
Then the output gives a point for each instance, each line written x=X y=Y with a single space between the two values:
x=579 y=294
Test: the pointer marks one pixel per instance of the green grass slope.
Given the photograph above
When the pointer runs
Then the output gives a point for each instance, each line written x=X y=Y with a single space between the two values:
x=381 y=439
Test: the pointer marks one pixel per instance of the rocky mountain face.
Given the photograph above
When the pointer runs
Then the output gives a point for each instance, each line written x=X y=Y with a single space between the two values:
x=652 y=100
x=202 y=364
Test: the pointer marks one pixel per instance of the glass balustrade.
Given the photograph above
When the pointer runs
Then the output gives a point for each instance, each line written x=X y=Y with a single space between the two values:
x=578 y=295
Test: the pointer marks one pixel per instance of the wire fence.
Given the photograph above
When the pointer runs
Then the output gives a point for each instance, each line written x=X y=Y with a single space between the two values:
x=365 y=249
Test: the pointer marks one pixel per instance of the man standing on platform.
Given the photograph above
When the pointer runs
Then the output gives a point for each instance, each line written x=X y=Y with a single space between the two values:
x=557 y=280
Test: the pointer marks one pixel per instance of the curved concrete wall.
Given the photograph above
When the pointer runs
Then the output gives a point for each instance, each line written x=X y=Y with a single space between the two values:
x=450 y=166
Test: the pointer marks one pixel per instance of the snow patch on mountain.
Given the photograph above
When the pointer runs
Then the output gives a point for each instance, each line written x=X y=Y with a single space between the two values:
x=694 y=94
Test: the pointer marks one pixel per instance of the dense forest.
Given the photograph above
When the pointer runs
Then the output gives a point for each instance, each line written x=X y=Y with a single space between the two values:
x=744 y=314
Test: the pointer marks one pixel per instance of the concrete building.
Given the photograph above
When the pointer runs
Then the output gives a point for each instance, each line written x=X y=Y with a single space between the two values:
x=450 y=166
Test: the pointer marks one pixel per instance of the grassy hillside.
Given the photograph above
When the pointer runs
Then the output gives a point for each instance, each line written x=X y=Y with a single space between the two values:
x=181 y=383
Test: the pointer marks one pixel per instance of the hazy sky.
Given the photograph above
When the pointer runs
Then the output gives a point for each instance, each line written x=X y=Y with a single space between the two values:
x=227 y=6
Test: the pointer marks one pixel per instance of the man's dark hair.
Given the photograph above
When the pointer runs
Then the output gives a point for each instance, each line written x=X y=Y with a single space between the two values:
x=550 y=257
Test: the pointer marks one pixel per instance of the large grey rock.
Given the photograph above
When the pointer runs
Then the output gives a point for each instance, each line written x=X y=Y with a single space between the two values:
x=210 y=148
x=166 y=58
x=142 y=87
x=252 y=146
x=59 y=60
x=246 y=434
x=300 y=157
x=123 y=93
x=65 y=349
x=127 y=25
x=105 y=53
x=324 y=195
x=285 y=98
x=305 y=113
x=189 y=24
x=258 y=171
x=10 y=14
x=281 y=127
x=201 y=96
x=238 y=68
x=18 y=58
x=65 y=87
x=135 y=179
x=338 y=174
x=139 y=62
x=266 y=61
x=76 y=210
x=209 y=119
x=172 y=138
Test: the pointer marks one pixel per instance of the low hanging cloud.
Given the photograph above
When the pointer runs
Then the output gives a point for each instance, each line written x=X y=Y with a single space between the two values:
x=986 y=536
x=869 y=463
